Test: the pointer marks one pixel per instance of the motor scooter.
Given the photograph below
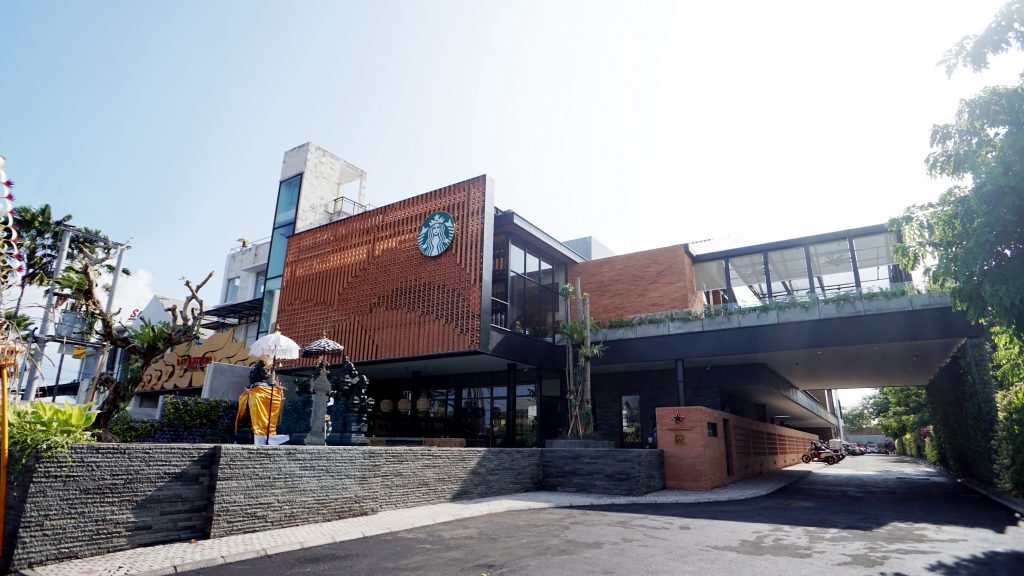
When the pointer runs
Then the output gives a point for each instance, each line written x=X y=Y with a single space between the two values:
x=818 y=452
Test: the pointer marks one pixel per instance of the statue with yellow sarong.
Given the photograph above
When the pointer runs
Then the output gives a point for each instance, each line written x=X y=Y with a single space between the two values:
x=262 y=399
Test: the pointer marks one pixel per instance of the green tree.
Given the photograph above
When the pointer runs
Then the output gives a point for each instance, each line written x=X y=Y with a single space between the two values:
x=857 y=417
x=971 y=240
x=39 y=240
x=900 y=410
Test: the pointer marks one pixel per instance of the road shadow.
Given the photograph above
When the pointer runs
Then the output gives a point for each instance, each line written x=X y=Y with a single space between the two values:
x=993 y=562
x=853 y=499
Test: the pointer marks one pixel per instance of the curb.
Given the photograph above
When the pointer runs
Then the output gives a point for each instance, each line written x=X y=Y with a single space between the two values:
x=1011 y=502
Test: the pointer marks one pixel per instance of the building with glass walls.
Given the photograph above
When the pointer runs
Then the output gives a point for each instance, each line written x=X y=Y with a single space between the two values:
x=451 y=307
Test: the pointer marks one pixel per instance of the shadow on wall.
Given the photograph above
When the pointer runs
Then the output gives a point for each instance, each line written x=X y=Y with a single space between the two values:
x=990 y=562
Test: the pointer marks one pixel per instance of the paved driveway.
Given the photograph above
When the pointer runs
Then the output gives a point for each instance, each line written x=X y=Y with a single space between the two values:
x=867 y=515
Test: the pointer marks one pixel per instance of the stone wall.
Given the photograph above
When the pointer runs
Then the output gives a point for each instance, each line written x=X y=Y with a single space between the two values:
x=620 y=472
x=302 y=485
x=110 y=497
x=120 y=496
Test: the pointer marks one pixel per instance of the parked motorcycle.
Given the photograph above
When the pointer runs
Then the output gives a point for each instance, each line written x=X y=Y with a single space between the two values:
x=819 y=452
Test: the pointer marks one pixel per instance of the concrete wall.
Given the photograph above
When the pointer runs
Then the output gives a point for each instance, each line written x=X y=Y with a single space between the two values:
x=225 y=381
x=695 y=460
x=121 y=496
x=655 y=388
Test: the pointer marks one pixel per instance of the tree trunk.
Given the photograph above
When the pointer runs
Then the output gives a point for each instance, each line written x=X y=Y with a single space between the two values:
x=588 y=420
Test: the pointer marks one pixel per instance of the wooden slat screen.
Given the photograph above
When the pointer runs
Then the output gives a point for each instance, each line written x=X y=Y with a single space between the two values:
x=364 y=281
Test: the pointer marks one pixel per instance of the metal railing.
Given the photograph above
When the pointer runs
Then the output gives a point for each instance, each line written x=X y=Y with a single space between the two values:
x=345 y=205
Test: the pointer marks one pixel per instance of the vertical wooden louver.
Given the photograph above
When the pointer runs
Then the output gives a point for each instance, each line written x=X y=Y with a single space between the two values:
x=364 y=281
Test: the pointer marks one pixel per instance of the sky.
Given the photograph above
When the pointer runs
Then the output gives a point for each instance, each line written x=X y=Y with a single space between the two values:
x=643 y=124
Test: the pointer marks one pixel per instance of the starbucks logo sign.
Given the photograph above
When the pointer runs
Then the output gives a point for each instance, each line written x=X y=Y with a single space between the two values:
x=437 y=233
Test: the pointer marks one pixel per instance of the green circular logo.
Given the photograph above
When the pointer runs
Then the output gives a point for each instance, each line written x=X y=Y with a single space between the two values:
x=437 y=233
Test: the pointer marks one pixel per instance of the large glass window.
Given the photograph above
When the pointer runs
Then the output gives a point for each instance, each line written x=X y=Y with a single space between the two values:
x=270 y=297
x=531 y=299
x=287 y=201
x=788 y=270
x=278 y=249
x=874 y=260
x=231 y=290
x=748 y=281
x=261 y=280
x=710 y=279
x=832 y=268
x=526 y=414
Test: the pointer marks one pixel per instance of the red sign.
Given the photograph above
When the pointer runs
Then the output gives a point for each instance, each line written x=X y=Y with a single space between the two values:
x=193 y=363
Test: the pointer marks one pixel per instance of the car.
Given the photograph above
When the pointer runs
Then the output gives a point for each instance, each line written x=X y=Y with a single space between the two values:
x=872 y=448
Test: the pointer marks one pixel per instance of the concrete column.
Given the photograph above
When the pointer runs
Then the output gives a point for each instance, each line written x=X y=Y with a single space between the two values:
x=680 y=383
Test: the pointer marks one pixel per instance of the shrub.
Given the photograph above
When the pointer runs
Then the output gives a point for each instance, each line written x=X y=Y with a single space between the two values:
x=1009 y=440
x=127 y=429
x=48 y=429
x=196 y=420
x=931 y=450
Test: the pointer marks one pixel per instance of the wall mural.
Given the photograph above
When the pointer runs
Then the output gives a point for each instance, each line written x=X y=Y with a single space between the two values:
x=184 y=366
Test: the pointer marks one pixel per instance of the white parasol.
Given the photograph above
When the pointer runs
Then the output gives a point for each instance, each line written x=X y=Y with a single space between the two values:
x=276 y=346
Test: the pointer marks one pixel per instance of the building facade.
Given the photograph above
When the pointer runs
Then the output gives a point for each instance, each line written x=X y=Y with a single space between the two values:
x=451 y=306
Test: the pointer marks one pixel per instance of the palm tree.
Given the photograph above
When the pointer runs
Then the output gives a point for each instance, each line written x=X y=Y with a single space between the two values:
x=39 y=240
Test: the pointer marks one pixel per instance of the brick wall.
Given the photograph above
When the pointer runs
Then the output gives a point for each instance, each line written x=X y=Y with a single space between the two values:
x=120 y=496
x=622 y=472
x=664 y=275
x=696 y=461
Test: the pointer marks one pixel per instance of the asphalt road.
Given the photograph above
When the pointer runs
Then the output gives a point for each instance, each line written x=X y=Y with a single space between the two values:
x=869 y=514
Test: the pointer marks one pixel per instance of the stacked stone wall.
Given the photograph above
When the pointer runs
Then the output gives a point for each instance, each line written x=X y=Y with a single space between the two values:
x=112 y=497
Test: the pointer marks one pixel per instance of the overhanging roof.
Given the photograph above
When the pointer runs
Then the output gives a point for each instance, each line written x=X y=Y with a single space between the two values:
x=243 y=312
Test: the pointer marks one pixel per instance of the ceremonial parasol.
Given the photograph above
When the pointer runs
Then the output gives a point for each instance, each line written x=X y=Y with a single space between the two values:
x=322 y=347
x=276 y=346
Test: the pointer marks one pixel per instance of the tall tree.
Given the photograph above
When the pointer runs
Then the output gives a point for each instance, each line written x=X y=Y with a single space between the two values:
x=143 y=345
x=39 y=240
x=971 y=240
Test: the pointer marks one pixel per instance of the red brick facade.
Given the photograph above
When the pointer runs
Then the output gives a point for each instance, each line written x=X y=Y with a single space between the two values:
x=696 y=461
x=365 y=282
x=646 y=282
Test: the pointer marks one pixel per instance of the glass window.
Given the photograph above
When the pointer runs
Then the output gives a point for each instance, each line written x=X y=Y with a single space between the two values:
x=517 y=321
x=832 y=268
x=559 y=276
x=526 y=421
x=789 y=272
x=287 y=201
x=710 y=275
x=278 y=249
x=517 y=259
x=261 y=280
x=748 y=281
x=532 y=267
x=269 y=313
x=874 y=259
x=631 y=433
x=231 y=290
x=547 y=277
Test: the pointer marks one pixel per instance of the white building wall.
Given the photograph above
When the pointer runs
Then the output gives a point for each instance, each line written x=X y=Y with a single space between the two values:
x=245 y=264
x=325 y=177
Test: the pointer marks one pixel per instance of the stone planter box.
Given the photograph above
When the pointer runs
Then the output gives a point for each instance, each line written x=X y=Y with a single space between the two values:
x=580 y=444
x=933 y=300
x=882 y=305
x=798 y=314
x=659 y=329
x=758 y=319
x=679 y=327
x=720 y=322
x=617 y=333
x=841 y=309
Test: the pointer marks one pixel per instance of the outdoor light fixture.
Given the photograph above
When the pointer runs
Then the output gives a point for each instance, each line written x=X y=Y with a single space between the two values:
x=404 y=404
x=386 y=405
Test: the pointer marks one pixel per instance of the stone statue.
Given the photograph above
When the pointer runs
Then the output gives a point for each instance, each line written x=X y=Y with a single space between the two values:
x=351 y=408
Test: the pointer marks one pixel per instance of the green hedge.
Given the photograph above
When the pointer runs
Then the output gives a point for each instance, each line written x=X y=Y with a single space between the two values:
x=186 y=420
x=1009 y=440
